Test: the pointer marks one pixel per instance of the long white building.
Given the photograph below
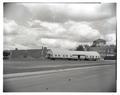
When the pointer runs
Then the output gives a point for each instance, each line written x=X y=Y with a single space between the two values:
x=55 y=53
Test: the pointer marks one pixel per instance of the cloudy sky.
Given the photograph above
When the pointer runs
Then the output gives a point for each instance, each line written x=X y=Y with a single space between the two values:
x=61 y=25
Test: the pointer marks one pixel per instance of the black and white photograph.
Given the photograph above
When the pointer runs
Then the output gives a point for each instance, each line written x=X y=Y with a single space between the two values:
x=59 y=47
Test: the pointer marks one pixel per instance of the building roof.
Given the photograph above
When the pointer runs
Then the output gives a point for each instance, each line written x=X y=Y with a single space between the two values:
x=99 y=40
x=60 y=51
x=70 y=52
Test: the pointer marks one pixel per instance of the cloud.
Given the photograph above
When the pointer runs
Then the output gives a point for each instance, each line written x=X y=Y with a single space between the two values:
x=17 y=12
x=30 y=25
x=80 y=31
x=69 y=33
x=60 y=43
x=76 y=12
x=52 y=34
x=71 y=30
x=105 y=26
x=10 y=27
x=22 y=12
x=17 y=36
x=110 y=38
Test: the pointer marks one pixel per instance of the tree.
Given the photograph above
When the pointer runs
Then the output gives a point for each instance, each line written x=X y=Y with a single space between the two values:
x=87 y=47
x=80 y=48
x=6 y=54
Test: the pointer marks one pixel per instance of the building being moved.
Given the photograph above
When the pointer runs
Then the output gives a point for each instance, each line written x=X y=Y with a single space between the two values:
x=55 y=53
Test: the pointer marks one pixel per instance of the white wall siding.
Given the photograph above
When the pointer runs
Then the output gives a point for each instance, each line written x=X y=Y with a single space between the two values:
x=62 y=53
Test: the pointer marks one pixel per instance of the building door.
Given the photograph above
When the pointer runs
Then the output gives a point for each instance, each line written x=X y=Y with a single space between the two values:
x=78 y=57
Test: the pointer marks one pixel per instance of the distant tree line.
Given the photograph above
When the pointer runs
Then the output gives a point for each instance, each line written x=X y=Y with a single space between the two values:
x=82 y=48
x=6 y=54
x=87 y=48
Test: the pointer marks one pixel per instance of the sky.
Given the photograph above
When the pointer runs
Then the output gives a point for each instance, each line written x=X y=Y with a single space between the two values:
x=58 y=25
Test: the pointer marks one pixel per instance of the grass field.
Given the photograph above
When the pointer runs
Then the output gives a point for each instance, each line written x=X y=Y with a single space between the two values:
x=16 y=66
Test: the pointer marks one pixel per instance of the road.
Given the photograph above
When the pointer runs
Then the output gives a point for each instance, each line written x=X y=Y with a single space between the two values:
x=88 y=79
x=43 y=65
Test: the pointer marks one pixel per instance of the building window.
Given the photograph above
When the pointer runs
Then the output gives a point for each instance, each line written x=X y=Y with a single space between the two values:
x=55 y=55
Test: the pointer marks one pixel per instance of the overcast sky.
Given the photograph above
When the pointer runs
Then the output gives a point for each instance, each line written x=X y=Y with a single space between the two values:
x=61 y=25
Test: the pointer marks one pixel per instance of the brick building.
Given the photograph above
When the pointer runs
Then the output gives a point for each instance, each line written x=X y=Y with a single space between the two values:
x=100 y=46
x=99 y=42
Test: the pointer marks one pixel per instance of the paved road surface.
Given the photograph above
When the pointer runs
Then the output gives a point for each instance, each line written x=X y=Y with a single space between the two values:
x=42 y=65
x=87 y=79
